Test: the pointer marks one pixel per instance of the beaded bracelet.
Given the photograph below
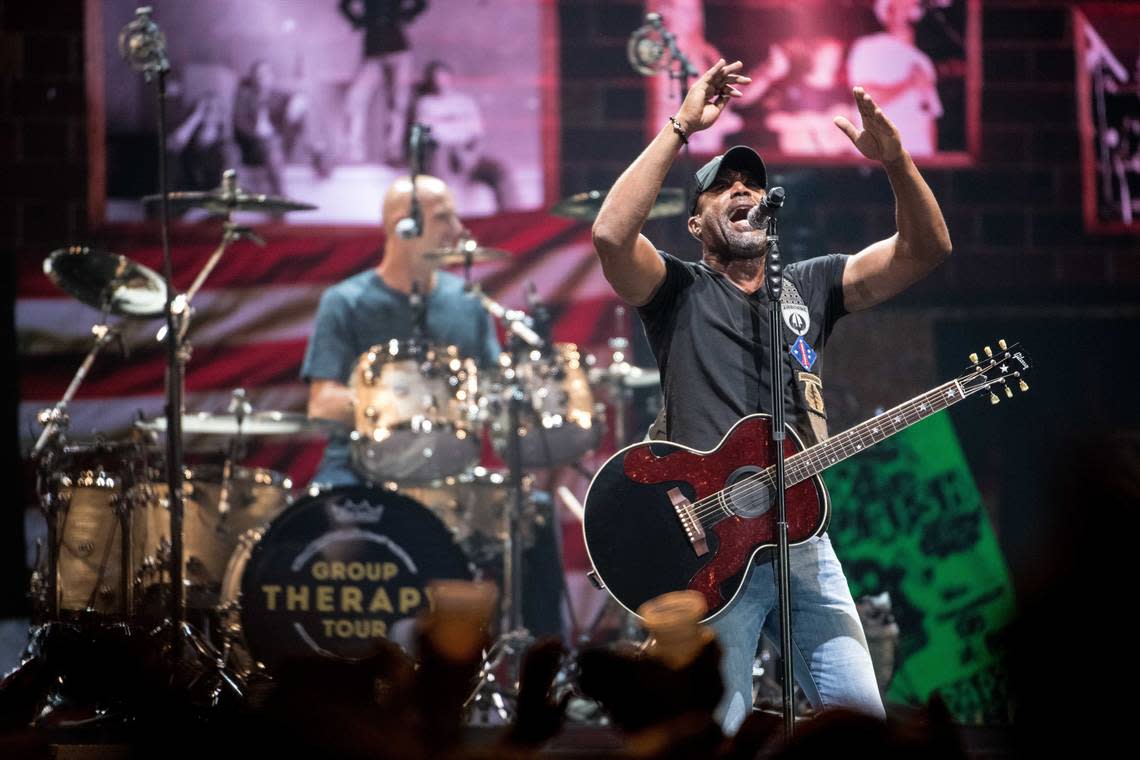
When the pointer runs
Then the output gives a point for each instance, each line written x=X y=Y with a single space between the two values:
x=679 y=130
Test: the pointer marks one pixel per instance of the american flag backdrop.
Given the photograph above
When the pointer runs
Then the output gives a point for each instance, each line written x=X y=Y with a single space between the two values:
x=251 y=323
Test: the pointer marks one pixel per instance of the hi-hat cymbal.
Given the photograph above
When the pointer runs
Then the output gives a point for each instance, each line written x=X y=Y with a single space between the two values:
x=670 y=202
x=107 y=281
x=467 y=250
x=257 y=423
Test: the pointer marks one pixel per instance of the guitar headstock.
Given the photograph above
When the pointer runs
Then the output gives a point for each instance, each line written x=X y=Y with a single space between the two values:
x=996 y=371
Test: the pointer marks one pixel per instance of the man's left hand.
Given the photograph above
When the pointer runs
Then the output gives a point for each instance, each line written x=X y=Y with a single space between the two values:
x=879 y=139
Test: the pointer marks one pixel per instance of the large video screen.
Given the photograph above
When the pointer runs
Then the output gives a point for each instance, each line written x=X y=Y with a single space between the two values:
x=1107 y=45
x=313 y=100
x=919 y=60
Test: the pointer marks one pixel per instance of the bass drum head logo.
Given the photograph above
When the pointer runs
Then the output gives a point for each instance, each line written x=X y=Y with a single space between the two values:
x=337 y=571
x=797 y=318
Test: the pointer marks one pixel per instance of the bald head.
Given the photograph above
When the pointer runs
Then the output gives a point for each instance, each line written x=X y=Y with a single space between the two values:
x=430 y=192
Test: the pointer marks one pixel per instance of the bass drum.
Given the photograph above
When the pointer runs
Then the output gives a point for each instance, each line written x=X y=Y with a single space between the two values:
x=332 y=573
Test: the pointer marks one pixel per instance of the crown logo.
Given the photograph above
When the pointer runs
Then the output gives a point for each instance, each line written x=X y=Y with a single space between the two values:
x=350 y=511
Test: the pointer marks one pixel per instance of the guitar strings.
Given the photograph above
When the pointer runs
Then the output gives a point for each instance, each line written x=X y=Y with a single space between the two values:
x=762 y=481
x=712 y=504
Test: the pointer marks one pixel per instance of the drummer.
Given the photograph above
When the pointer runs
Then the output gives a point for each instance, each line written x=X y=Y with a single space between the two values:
x=374 y=307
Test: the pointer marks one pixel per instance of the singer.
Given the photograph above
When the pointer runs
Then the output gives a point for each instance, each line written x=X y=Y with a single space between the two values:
x=707 y=323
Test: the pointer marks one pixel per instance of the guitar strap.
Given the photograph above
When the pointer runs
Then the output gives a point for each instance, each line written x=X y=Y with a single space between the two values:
x=808 y=386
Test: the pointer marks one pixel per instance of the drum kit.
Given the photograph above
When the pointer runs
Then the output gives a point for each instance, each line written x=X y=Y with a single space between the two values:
x=269 y=573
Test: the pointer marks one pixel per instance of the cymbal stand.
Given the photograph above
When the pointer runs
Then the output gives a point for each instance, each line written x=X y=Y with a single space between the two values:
x=55 y=421
x=513 y=638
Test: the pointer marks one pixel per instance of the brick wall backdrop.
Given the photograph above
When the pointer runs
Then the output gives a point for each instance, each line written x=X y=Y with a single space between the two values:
x=1021 y=256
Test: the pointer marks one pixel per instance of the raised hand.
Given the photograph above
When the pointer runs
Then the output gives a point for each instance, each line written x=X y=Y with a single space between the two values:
x=879 y=139
x=709 y=95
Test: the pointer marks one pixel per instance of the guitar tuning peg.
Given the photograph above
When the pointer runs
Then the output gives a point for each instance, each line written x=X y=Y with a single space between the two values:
x=1008 y=392
x=1023 y=385
x=1001 y=343
x=974 y=358
x=994 y=398
x=989 y=352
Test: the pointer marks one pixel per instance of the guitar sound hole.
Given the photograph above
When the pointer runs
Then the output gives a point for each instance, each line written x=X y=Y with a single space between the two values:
x=746 y=495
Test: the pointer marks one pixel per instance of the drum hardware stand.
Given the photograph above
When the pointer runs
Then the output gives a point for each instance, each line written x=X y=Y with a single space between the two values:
x=55 y=421
x=514 y=638
x=240 y=408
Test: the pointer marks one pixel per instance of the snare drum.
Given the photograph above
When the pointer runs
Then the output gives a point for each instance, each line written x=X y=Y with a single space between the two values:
x=474 y=506
x=212 y=526
x=560 y=423
x=91 y=557
x=416 y=413
x=333 y=572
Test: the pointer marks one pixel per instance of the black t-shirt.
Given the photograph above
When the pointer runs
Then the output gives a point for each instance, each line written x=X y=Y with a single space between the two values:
x=712 y=340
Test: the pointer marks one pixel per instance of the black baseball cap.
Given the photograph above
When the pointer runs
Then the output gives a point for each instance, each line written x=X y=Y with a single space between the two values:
x=738 y=157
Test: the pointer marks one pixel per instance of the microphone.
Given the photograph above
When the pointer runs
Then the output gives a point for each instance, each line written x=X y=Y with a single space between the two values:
x=652 y=48
x=411 y=226
x=143 y=44
x=759 y=214
x=646 y=49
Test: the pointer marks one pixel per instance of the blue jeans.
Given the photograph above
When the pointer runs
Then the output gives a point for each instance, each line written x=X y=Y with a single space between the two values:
x=830 y=657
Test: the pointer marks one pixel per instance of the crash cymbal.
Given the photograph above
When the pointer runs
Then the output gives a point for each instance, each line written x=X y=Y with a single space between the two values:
x=217 y=202
x=229 y=197
x=466 y=250
x=107 y=281
x=257 y=423
x=670 y=202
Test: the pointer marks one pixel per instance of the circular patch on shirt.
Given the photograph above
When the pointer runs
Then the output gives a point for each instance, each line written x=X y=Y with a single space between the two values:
x=796 y=317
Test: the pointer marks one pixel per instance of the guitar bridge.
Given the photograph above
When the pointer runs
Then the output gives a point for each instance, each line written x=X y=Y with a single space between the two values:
x=689 y=521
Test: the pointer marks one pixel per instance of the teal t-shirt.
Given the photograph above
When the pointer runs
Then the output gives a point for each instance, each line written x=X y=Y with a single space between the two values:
x=362 y=311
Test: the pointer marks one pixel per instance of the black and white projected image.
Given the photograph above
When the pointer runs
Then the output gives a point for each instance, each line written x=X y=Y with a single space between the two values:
x=919 y=60
x=313 y=99
x=1108 y=105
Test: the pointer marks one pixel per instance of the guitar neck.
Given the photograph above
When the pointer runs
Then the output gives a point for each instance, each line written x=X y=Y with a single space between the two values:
x=816 y=459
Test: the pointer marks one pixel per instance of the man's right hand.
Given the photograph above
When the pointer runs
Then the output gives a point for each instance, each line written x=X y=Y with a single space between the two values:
x=710 y=94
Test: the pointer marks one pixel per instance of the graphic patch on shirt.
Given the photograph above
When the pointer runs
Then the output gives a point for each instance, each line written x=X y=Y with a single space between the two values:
x=797 y=318
x=803 y=353
x=813 y=391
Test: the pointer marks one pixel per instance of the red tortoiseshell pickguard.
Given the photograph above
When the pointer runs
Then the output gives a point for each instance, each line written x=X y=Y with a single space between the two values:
x=749 y=443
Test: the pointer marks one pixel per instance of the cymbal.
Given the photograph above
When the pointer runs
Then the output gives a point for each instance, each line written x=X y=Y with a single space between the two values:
x=107 y=281
x=257 y=423
x=222 y=201
x=627 y=375
x=670 y=202
x=466 y=249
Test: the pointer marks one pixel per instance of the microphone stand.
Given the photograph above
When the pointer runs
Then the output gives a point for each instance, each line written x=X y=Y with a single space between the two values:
x=194 y=664
x=774 y=282
x=143 y=45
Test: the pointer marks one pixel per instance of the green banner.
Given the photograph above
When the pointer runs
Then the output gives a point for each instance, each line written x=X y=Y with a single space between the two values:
x=908 y=519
